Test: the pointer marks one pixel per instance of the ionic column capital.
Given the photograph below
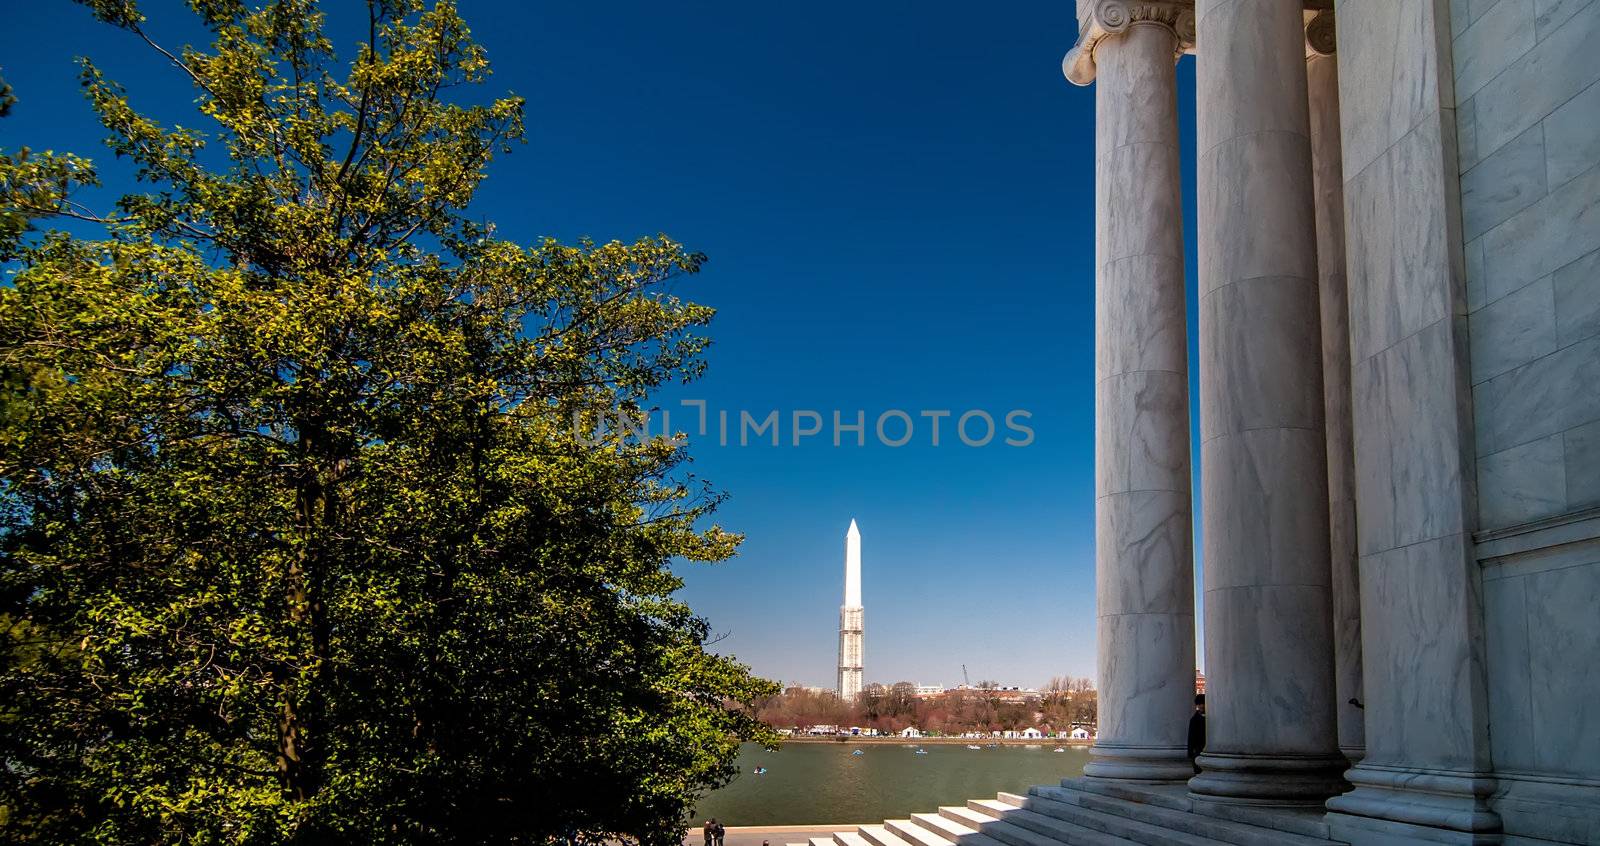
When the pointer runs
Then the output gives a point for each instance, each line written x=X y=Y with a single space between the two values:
x=1101 y=19
x=1321 y=35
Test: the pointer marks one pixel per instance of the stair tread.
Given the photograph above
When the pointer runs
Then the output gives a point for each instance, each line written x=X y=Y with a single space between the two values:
x=943 y=826
x=911 y=831
x=1060 y=831
x=850 y=838
x=1203 y=825
x=881 y=835
x=967 y=815
x=992 y=806
x=1012 y=799
x=1118 y=824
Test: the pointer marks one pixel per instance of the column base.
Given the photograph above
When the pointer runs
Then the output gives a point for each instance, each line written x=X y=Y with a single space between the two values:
x=1279 y=780
x=1145 y=764
x=1403 y=802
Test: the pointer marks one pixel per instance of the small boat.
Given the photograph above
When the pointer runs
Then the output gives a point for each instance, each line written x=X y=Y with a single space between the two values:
x=761 y=771
x=973 y=746
x=858 y=752
x=1058 y=749
x=921 y=751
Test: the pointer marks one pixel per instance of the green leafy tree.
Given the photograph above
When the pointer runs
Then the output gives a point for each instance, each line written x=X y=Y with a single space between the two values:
x=297 y=542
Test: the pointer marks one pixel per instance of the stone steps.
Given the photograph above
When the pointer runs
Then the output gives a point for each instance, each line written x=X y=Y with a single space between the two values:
x=877 y=835
x=1127 y=827
x=1022 y=827
x=1197 y=822
x=852 y=838
x=1086 y=812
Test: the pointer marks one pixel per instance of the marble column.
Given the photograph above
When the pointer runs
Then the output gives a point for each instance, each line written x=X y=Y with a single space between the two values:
x=1271 y=727
x=1144 y=566
x=1327 y=173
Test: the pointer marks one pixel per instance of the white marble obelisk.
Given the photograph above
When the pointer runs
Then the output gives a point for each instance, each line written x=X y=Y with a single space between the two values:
x=851 y=626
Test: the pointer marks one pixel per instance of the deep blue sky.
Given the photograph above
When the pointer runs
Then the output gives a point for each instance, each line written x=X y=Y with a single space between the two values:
x=897 y=202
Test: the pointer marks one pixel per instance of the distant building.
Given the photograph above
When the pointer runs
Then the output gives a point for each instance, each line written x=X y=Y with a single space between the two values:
x=1199 y=682
x=1031 y=734
x=910 y=731
x=926 y=690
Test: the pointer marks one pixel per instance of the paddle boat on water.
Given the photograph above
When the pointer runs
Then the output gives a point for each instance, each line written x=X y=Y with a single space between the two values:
x=973 y=746
x=858 y=752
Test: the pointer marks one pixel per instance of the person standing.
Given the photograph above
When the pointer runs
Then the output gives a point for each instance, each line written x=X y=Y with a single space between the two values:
x=706 y=829
x=717 y=831
x=1197 y=730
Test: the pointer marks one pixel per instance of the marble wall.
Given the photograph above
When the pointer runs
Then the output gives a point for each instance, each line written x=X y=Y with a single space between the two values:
x=1527 y=76
x=1527 y=80
x=1426 y=698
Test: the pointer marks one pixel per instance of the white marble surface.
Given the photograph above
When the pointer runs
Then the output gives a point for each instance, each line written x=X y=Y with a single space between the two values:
x=1399 y=214
x=1422 y=636
x=1551 y=14
x=1389 y=69
x=1256 y=525
x=1550 y=395
x=1143 y=533
x=1247 y=175
x=1561 y=65
x=1558 y=229
x=1424 y=660
x=1577 y=291
x=1492 y=42
x=1322 y=90
x=1514 y=330
x=1566 y=701
x=1503 y=184
x=1539 y=615
x=1522 y=484
x=1137 y=447
x=1265 y=329
x=1262 y=692
x=1409 y=440
x=1581 y=454
x=852 y=566
x=1572 y=136
x=1269 y=632
x=1153 y=332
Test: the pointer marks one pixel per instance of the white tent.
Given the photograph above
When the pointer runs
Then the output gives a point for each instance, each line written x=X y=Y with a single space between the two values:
x=1032 y=734
x=910 y=731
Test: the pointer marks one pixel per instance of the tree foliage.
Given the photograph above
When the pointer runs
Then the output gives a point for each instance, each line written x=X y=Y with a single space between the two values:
x=297 y=544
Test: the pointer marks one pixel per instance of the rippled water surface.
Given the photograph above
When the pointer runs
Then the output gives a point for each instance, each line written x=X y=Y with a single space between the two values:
x=817 y=783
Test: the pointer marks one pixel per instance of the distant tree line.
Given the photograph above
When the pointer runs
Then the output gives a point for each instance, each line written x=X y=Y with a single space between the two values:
x=1064 y=703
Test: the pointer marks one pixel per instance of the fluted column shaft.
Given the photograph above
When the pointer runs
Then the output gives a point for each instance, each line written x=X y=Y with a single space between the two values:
x=1269 y=642
x=1322 y=88
x=1144 y=557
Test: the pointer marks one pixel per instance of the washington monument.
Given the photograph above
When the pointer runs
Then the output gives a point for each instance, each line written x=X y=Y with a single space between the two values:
x=851 y=626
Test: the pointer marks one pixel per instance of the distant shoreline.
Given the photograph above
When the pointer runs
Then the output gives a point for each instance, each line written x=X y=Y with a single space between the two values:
x=925 y=741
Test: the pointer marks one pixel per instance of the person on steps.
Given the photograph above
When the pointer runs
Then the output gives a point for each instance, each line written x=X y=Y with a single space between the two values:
x=1197 y=730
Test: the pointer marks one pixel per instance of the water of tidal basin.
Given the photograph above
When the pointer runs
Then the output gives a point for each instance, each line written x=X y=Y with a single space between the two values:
x=822 y=783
